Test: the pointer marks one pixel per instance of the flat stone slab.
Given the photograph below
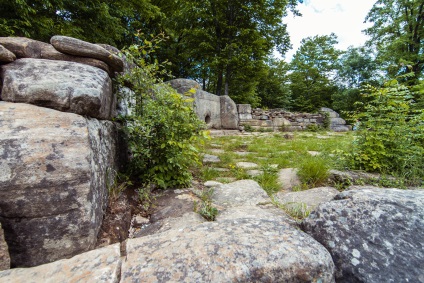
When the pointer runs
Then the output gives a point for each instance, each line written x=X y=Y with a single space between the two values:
x=211 y=184
x=208 y=158
x=312 y=198
x=288 y=178
x=373 y=234
x=314 y=153
x=101 y=265
x=254 y=173
x=247 y=165
x=241 y=250
x=240 y=193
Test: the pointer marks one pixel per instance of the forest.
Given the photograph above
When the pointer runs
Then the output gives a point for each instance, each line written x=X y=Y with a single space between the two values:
x=230 y=46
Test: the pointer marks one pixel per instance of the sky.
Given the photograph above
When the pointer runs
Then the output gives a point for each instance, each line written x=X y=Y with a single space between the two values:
x=321 y=17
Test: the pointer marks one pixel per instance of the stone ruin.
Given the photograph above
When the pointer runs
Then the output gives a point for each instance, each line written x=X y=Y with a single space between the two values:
x=282 y=120
x=59 y=148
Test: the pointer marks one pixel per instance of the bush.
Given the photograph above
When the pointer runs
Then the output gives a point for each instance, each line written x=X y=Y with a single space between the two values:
x=162 y=128
x=390 y=137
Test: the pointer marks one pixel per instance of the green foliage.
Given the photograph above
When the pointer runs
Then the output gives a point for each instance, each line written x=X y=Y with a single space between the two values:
x=390 y=138
x=205 y=207
x=313 y=171
x=117 y=184
x=112 y=22
x=163 y=128
x=398 y=35
x=313 y=67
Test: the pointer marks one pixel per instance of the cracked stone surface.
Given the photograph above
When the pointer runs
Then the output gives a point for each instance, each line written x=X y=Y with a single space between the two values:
x=312 y=198
x=101 y=265
x=373 y=234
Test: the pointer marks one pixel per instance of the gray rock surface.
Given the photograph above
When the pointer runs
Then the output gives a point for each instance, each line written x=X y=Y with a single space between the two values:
x=82 y=48
x=101 y=265
x=288 y=178
x=247 y=165
x=373 y=235
x=312 y=198
x=240 y=250
x=53 y=171
x=229 y=114
x=64 y=86
x=28 y=48
x=239 y=193
x=4 y=252
x=208 y=158
x=5 y=55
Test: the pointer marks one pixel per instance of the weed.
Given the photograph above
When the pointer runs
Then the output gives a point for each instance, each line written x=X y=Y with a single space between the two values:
x=209 y=173
x=116 y=186
x=268 y=180
x=205 y=208
x=145 y=197
x=313 y=171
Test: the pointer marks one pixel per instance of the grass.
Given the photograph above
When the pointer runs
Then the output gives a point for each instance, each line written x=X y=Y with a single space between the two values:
x=273 y=149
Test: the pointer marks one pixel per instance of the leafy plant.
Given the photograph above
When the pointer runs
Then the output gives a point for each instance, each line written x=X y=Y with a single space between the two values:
x=162 y=128
x=390 y=138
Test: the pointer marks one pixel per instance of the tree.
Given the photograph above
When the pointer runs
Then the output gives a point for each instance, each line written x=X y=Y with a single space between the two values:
x=357 y=68
x=398 y=35
x=112 y=22
x=224 y=43
x=274 y=89
x=313 y=68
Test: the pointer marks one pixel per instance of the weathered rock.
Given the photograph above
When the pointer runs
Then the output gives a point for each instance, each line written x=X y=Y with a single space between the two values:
x=211 y=184
x=4 y=252
x=28 y=48
x=247 y=165
x=53 y=171
x=239 y=193
x=312 y=198
x=244 y=111
x=82 y=48
x=229 y=115
x=102 y=265
x=288 y=178
x=208 y=158
x=242 y=250
x=5 y=55
x=373 y=235
x=64 y=86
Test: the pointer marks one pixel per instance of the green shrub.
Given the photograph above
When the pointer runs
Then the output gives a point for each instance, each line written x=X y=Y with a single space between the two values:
x=390 y=138
x=163 y=129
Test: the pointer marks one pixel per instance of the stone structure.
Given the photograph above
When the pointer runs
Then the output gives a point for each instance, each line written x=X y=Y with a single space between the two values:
x=58 y=146
x=282 y=120
x=218 y=112
x=4 y=252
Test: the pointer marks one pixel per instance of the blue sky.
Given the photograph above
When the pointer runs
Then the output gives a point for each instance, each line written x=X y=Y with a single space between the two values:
x=320 y=17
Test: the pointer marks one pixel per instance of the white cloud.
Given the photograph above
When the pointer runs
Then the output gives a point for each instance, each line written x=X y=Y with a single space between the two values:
x=321 y=17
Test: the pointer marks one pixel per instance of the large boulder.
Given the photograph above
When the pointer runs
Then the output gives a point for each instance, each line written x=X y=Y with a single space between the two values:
x=77 y=47
x=310 y=198
x=4 y=252
x=54 y=168
x=24 y=47
x=207 y=106
x=64 y=86
x=100 y=266
x=373 y=234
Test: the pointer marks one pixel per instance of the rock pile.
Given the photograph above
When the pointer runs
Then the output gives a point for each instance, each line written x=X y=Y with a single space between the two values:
x=58 y=145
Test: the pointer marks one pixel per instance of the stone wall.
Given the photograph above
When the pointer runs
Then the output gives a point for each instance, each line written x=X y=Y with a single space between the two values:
x=58 y=145
x=282 y=120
